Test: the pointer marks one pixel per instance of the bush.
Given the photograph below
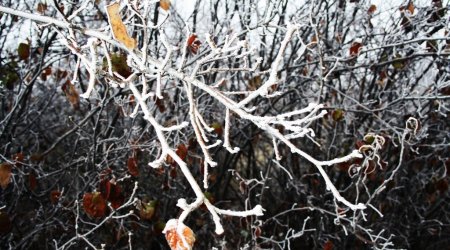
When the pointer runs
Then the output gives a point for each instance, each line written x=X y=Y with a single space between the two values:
x=253 y=125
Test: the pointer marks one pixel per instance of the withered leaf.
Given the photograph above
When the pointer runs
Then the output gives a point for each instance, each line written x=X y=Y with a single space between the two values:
x=118 y=28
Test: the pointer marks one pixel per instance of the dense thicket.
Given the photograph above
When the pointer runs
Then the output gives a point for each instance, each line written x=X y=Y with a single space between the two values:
x=382 y=73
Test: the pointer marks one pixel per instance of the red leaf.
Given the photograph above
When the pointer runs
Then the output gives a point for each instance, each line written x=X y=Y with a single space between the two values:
x=328 y=245
x=132 y=166
x=32 y=181
x=173 y=173
x=94 y=204
x=112 y=193
x=55 y=195
x=355 y=48
x=258 y=232
x=193 y=44
x=182 y=151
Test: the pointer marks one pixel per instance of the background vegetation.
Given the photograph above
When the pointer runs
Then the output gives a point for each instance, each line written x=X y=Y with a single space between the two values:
x=67 y=163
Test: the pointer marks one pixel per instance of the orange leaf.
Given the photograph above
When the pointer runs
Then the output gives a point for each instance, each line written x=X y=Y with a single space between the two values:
x=119 y=29
x=71 y=93
x=94 y=204
x=410 y=8
x=177 y=241
x=5 y=175
x=164 y=4
x=132 y=166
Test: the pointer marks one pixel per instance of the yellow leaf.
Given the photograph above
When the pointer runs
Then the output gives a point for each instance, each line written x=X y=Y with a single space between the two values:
x=118 y=28
x=177 y=241
x=164 y=4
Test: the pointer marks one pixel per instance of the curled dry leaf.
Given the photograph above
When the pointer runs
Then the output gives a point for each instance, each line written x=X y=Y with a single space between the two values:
x=164 y=4
x=5 y=175
x=183 y=241
x=119 y=29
